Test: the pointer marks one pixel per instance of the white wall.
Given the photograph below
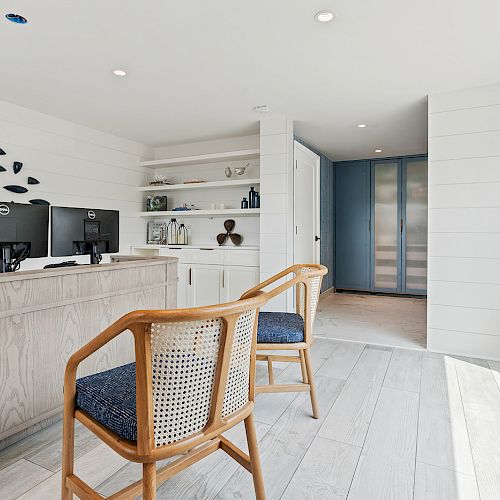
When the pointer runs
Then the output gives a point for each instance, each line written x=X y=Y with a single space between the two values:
x=76 y=166
x=464 y=222
x=276 y=219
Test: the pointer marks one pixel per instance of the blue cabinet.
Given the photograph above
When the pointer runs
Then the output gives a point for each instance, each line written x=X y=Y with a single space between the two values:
x=381 y=225
x=352 y=225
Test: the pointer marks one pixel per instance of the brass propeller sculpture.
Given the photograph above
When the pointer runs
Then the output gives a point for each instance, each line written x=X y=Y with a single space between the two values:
x=236 y=239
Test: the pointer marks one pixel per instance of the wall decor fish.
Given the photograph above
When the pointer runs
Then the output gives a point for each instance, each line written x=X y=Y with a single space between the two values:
x=38 y=201
x=2 y=169
x=16 y=189
x=2 y=152
x=32 y=180
x=17 y=167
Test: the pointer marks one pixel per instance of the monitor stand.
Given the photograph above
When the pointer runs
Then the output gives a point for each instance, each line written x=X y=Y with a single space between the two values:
x=11 y=257
x=95 y=255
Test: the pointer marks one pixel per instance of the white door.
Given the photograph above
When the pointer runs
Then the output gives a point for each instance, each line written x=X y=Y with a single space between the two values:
x=236 y=280
x=306 y=205
x=204 y=284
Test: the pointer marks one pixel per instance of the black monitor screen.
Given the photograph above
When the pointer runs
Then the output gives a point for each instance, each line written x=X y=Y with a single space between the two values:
x=23 y=223
x=72 y=228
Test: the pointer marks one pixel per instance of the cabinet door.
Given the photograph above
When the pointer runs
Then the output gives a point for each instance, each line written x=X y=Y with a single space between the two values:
x=182 y=285
x=352 y=225
x=415 y=227
x=387 y=225
x=236 y=280
x=204 y=285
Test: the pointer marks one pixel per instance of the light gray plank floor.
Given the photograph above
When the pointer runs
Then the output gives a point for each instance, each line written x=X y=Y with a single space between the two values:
x=395 y=424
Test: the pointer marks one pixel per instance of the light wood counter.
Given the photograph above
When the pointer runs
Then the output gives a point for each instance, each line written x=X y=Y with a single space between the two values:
x=46 y=315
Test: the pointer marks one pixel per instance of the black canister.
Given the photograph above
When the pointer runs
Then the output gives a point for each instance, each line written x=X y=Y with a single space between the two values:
x=244 y=203
x=251 y=197
x=257 y=200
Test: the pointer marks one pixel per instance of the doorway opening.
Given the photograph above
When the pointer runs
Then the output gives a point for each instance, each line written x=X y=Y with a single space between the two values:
x=380 y=272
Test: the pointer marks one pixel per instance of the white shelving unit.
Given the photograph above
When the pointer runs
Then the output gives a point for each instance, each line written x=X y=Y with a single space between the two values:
x=242 y=212
x=200 y=185
x=244 y=154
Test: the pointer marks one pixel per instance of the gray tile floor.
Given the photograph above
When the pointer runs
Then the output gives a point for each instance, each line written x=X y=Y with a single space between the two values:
x=395 y=424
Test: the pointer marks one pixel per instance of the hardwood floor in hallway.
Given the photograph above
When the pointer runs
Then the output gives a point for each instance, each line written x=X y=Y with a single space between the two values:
x=375 y=319
x=395 y=424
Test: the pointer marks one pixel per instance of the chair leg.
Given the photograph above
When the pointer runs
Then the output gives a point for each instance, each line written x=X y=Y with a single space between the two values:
x=270 y=372
x=305 y=379
x=253 y=449
x=68 y=453
x=312 y=386
x=149 y=481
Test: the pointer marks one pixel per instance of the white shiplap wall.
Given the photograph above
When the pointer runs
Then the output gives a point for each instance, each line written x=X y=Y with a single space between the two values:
x=76 y=166
x=276 y=218
x=464 y=222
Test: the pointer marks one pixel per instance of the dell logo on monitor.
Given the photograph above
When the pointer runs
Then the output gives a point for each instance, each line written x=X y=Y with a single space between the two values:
x=91 y=214
x=4 y=210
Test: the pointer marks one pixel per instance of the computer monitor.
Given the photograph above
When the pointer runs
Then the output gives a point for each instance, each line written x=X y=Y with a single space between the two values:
x=84 y=231
x=24 y=232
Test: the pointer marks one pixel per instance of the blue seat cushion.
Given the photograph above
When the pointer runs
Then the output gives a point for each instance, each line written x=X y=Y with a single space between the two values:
x=280 y=328
x=109 y=398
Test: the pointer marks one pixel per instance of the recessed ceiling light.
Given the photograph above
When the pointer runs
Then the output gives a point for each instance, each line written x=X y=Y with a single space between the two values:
x=119 y=72
x=16 y=18
x=263 y=108
x=362 y=125
x=378 y=151
x=324 y=16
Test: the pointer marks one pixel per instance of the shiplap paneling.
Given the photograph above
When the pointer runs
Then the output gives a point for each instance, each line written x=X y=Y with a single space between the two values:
x=464 y=222
x=473 y=245
x=462 y=121
x=464 y=171
x=465 y=319
x=76 y=166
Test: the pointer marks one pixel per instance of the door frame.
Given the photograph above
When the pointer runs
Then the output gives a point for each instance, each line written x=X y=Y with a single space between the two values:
x=298 y=146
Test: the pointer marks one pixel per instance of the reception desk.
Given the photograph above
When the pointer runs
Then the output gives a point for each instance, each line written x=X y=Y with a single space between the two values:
x=46 y=315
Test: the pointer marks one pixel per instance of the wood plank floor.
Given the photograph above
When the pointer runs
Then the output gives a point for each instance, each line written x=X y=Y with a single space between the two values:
x=395 y=424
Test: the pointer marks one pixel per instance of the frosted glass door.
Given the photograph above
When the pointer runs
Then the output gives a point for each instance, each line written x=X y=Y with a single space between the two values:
x=386 y=230
x=416 y=226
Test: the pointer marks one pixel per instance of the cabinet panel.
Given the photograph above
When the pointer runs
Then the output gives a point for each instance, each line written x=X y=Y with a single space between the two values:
x=352 y=222
x=237 y=280
x=386 y=227
x=204 y=285
x=182 y=286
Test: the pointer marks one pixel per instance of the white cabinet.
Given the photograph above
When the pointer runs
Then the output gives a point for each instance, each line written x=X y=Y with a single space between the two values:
x=236 y=280
x=213 y=276
x=204 y=285
x=182 y=286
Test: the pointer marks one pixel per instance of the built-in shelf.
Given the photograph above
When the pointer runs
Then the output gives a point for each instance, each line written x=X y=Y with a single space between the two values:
x=244 y=154
x=200 y=185
x=242 y=212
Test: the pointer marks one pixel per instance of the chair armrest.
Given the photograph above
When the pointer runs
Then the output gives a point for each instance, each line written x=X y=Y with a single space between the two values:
x=269 y=281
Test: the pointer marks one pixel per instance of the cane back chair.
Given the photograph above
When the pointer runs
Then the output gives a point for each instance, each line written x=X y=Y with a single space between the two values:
x=290 y=331
x=193 y=379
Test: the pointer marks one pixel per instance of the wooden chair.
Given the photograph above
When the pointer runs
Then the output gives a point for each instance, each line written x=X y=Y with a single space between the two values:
x=192 y=380
x=290 y=331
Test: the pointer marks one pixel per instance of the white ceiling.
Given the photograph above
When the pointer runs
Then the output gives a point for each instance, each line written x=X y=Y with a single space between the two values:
x=196 y=68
